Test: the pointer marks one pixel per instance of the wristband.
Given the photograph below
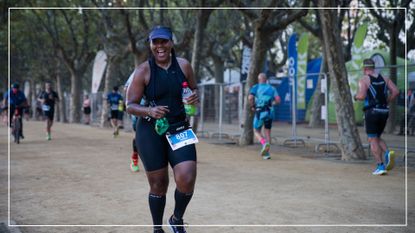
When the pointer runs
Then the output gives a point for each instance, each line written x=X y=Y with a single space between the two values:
x=149 y=112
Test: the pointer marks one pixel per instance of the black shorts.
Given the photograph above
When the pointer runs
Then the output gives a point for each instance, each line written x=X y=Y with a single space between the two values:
x=155 y=151
x=120 y=115
x=49 y=114
x=87 y=110
x=114 y=114
x=375 y=122
x=258 y=123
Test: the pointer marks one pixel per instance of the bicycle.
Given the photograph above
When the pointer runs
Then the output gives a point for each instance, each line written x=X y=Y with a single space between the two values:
x=16 y=125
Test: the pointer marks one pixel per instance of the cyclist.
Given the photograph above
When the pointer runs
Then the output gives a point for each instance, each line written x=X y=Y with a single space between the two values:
x=16 y=100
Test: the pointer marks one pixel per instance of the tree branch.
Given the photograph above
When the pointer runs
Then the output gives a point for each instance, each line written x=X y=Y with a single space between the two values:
x=132 y=41
x=316 y=31
x=85 y=43
x=289 y=19
x=382 y=20
x=141 y=17
x=70 y=26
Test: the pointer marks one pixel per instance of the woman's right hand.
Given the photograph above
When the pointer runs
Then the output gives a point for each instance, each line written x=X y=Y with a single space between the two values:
x=158 y=112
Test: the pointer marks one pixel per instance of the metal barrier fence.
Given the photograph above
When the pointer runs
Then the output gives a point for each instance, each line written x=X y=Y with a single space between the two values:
x=220 y=104
x=97 y=101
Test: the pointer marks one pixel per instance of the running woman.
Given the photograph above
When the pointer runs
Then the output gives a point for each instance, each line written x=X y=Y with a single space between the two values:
x=373 y=89
x=48 y=98
x=160 y=81
x=262 y=97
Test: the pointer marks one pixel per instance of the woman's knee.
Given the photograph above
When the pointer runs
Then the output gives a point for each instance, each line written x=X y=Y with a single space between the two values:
x=158 y=183
x=185 y=177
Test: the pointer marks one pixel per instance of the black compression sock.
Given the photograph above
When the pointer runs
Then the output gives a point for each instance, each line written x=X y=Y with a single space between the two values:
x=157 y=204
x=182 y=199
x=134 y=147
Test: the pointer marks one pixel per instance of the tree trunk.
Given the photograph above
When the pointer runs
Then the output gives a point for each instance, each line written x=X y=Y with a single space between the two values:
x=219 y=67
x=75 y=103
x=318 y=99
x=61 y=104
x=33 y=93
x=390 y=126
x=350 y=143
x=201 y=22
x=257 y=62
x=107 y=88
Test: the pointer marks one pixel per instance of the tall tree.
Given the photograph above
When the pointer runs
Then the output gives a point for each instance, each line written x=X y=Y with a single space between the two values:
x=69 y=31
x=112 y=39
x=391 y=23
x=220 y=45
x=266 y=22
x=313 y=25
x=350 y=143
x=202 y=20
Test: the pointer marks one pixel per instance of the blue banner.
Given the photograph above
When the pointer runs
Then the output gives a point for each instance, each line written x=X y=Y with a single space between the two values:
x=292 y=61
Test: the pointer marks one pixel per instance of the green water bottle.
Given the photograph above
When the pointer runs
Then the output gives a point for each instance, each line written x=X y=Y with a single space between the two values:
x=189 y=108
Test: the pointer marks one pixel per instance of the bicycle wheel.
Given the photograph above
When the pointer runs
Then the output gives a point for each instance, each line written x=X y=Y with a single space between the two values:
x=16 y=130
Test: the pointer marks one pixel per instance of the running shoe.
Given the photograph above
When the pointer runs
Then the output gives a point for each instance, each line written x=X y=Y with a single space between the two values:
x=176 y=226
x=266 y=156
x=380 y=170
x=158 y=230
x=134 y=164
x=390 y=160
x=48 y=137
x=265 y=148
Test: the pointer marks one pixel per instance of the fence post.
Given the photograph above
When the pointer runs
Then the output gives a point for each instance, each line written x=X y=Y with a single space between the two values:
x=220 y=109
x=202 y=108
x=294 y=111
x=294 y=141
x=325 y=117
x=240 y=106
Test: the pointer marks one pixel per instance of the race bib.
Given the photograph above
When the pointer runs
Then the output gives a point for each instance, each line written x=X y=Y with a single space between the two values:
x=114 y=107
x=181 y=139
x=45 y=107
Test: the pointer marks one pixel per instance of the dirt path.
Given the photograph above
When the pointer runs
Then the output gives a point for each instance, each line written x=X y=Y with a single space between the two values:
x=82 y=177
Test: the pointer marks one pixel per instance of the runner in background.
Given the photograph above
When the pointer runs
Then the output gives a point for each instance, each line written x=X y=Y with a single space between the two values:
x=262 y=97
x=377 y=92
x=48 y=99
x=86 y=107
x=134 y=156
x=113 y=100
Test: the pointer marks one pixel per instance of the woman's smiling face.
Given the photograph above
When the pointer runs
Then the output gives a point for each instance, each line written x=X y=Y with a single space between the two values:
x=161 y=49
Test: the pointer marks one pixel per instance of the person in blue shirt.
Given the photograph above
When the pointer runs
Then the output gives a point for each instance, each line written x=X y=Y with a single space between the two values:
x=261 y=98
x=113 y=100
x=16 y=100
